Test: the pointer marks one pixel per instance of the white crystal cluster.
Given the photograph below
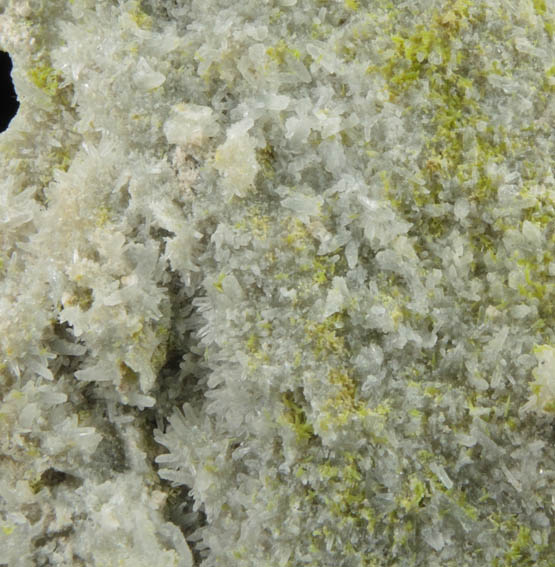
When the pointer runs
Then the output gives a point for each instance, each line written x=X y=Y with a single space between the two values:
x=276 y=284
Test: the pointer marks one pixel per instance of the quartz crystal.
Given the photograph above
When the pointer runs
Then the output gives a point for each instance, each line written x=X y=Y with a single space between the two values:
x=276 y=284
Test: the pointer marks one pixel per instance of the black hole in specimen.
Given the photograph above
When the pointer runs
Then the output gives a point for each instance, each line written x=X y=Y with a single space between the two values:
x=8 y=98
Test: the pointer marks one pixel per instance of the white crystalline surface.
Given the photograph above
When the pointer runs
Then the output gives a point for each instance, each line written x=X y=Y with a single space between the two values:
x=276 y=284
